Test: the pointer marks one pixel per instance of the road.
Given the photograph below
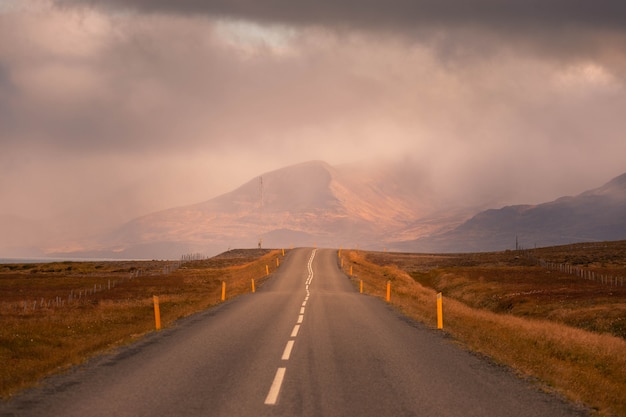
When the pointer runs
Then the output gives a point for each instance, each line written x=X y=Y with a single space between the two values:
x=305 y=344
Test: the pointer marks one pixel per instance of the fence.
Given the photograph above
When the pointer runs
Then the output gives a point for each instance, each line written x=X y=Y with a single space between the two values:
x=82 y=295
x=606 y=279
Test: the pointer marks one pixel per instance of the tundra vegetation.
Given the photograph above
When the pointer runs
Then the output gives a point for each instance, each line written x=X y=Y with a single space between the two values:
x=56 y=315
x=532 y=310
x=551 y=314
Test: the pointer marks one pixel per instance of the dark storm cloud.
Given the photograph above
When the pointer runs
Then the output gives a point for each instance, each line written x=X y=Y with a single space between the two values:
x=394 y=13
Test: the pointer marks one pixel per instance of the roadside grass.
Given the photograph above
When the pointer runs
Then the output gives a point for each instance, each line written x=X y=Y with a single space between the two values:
x=37 y=342
x=587 y=367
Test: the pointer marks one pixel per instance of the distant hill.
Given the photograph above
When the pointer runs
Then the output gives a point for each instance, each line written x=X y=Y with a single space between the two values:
x=370 y=207
x=595 y=215
x=307 y=204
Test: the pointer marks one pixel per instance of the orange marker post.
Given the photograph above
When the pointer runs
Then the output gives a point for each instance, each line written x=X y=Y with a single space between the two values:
x=439 y=311
x=253 y=285
x=157 y=312
x=388 y=291
x=223 y=290
x=361 y=287
x=267 y=270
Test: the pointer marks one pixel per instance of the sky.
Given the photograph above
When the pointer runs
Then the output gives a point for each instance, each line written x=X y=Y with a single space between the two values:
x=111 y=109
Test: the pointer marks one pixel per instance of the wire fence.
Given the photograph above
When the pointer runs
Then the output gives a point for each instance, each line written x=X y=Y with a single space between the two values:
x=565 y=268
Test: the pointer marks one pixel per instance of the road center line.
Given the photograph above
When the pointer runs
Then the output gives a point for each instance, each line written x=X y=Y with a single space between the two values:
x=272 y=396
x=287 y=351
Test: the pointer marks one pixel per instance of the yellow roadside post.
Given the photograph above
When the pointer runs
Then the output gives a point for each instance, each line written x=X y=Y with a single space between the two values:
x=277 y=263
x=267 y=270
x=388 y=291
x=439 y=311
x=157 y=312
x=361 y=287
x=223 y=290
x=253 y=285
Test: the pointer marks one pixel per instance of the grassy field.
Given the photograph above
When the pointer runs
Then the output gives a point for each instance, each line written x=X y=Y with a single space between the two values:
x=56 y=315
x=531 y=310
x=550 y=324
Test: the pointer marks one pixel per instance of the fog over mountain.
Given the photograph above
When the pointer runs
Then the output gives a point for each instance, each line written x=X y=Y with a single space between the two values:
x=595 y=215
x=306 y=204
x=112 y=109
x=365 y=206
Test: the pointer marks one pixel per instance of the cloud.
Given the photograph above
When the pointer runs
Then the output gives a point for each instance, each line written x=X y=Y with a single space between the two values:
x=394 y=14
x=143 y=105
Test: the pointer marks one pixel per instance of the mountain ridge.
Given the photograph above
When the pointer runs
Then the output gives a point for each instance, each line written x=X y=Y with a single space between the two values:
x=594 y=215
x=365 y=206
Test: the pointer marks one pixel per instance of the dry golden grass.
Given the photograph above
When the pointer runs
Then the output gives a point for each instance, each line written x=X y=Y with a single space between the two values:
x=588 y=368
x=36 y=343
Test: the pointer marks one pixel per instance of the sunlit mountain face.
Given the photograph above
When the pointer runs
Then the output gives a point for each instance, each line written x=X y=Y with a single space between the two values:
x=368 y=207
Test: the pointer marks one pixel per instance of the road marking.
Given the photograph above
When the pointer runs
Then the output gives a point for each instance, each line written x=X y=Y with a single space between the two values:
x=272 y=396
x=287 y=351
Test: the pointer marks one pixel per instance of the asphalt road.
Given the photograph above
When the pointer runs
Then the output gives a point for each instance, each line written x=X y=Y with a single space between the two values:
x=306 y=344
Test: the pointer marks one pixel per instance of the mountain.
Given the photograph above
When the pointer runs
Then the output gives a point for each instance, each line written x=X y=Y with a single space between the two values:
x=595 y=215
x=367 y=206
x=307 y=204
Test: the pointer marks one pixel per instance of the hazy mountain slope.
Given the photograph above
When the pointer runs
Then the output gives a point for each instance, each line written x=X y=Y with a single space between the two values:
x=595 y=215
x=19 y=235
x=305 y=204
x=369 y=206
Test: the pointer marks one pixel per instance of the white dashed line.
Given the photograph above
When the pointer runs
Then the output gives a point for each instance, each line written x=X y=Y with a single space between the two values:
x=287 y=351
x=272 y=396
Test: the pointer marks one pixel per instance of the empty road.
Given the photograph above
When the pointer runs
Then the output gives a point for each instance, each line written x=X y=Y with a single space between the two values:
x=306 y=344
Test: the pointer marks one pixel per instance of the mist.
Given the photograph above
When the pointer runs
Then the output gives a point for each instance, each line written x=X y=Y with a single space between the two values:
x=112 y=110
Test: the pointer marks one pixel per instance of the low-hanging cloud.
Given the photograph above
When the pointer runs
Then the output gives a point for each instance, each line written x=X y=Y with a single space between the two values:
x=150 y=104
